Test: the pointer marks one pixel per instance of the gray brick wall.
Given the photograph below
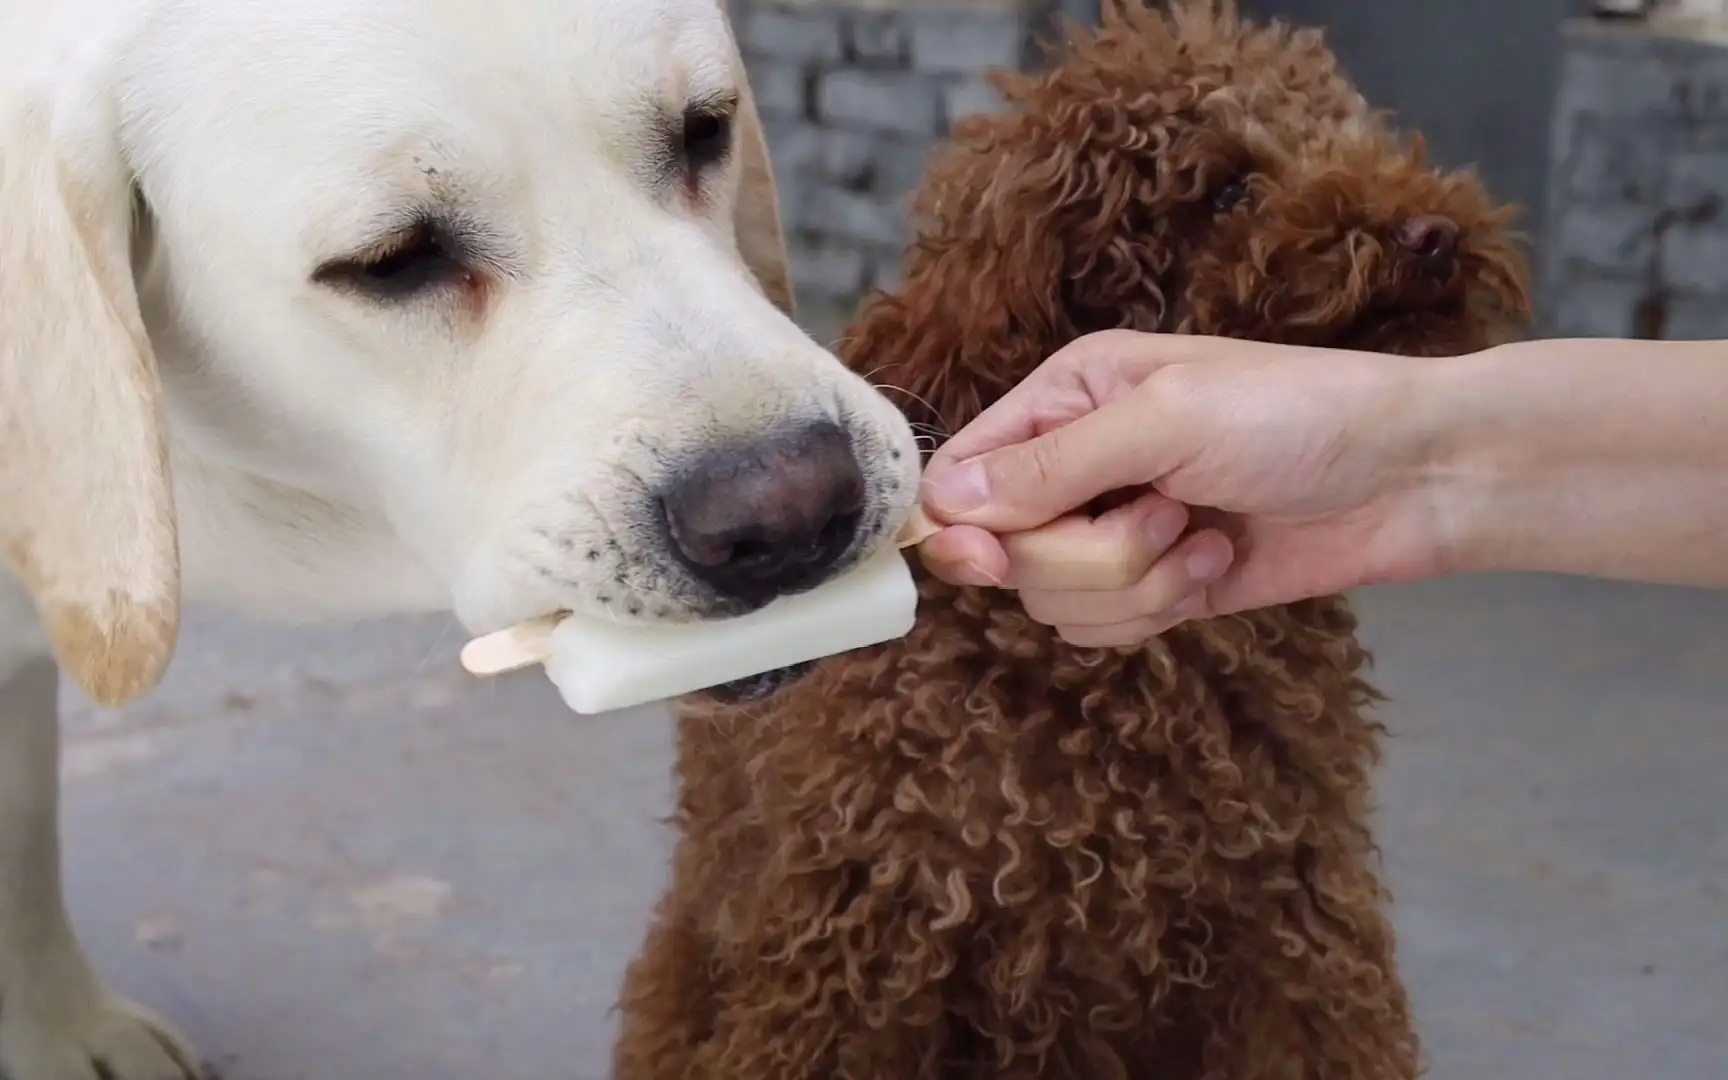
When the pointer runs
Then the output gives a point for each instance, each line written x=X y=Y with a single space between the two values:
x=854 y=94
x=1637 y=230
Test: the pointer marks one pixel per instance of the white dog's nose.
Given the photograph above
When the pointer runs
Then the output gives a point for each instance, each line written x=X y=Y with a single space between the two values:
x=770 y=518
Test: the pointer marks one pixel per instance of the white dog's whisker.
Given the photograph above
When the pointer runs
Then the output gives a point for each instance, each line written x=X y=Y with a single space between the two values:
x=444 y=629
x=920 y=399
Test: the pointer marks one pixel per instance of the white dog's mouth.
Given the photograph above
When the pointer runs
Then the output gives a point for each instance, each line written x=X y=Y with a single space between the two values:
x=717 y=528
x=760 y=687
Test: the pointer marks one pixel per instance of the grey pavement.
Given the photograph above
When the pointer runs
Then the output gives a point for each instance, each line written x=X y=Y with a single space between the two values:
x=329 y=855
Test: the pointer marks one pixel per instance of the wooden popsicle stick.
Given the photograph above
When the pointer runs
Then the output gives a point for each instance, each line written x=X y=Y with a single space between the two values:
x=918 y=529
x=525 y=644
x=510 y=649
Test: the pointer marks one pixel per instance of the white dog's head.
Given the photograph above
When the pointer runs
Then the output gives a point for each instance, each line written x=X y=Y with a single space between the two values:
x=507 y=275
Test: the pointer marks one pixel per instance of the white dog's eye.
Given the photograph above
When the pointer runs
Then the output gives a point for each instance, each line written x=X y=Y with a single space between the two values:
x=706 y=139
x=416 y=260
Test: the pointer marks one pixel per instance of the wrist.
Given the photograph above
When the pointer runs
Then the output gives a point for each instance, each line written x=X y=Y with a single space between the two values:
x=1481 y=457
x=1598 y=457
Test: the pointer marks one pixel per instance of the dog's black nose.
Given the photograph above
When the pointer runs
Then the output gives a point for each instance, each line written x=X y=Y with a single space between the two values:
x=766 y=519
x=1431 y=237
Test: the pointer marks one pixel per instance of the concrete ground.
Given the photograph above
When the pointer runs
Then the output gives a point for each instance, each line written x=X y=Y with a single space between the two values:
x=331 y=856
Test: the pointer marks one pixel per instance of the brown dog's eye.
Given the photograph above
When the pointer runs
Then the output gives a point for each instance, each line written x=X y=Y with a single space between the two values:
x=706 y=139
x=1226 y=198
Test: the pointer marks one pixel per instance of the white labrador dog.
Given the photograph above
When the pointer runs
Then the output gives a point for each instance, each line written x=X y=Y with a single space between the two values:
x=339 y=308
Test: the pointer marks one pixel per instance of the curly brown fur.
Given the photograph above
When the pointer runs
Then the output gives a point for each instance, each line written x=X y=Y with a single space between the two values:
x=981 y=852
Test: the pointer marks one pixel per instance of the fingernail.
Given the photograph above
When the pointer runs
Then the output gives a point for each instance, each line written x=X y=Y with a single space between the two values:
x=956 y=489
x=1205 y=565
x=971 y=574
x=1165 y=524
x=983 y=577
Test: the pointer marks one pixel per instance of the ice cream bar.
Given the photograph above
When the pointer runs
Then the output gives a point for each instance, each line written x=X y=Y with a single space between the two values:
x=599 y=666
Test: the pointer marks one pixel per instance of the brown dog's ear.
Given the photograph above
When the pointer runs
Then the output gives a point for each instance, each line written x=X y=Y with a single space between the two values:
x=761 y=240
x=86 y=509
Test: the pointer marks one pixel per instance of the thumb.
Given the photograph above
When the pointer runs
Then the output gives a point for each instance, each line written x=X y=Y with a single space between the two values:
x=1031 y=483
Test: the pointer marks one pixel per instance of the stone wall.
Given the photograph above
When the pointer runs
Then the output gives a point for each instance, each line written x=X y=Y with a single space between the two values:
x=1637 y=235
x=854 y=95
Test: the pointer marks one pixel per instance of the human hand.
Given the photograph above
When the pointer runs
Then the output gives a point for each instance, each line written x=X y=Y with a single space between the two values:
x=1318 y=459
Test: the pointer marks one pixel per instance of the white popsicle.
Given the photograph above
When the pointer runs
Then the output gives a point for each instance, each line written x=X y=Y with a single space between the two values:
x=601 y=666
x=598 y=667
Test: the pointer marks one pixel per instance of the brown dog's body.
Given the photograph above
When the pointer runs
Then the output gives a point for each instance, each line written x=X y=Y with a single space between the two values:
x=981 y=852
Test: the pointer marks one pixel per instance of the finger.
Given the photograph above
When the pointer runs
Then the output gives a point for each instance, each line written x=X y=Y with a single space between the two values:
x=1089 y=372
x=1112 y=551
x=1119 y=636
x=1136 y=631
x=1187 y=570
x=1028 y=484
x=1046 y=400
x=1282 y=570
x=1076 y=379
x=965 y=555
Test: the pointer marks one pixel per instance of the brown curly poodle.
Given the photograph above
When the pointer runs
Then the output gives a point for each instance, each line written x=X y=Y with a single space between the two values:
x=981 y=852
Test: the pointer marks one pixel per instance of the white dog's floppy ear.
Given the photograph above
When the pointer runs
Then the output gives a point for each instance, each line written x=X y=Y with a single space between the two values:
x=761 y=240
x=86 y=509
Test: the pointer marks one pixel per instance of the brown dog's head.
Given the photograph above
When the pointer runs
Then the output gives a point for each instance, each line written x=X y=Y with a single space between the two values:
x=1183 y=171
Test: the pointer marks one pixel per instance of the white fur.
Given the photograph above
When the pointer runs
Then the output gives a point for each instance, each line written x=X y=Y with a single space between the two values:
x=184 y=410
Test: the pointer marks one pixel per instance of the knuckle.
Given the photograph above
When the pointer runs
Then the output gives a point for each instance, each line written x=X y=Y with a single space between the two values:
x=1137 y=548
x=1119 y=636
x=1192 y=606
x=1042 y=607
x=1077 y=636
x=1043 y=460
x=1163 y=587
x=1123 y=569
x=1165 y=622
x=1114 y=339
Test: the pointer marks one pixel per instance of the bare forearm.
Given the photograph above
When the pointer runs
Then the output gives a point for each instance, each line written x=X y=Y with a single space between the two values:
x=1606 y=458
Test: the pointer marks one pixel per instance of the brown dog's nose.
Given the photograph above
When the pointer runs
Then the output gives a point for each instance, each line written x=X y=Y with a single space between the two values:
x=1430 y=236
x=768 y=519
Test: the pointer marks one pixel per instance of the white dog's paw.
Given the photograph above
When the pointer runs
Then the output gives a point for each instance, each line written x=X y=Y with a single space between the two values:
x=104 y=1039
